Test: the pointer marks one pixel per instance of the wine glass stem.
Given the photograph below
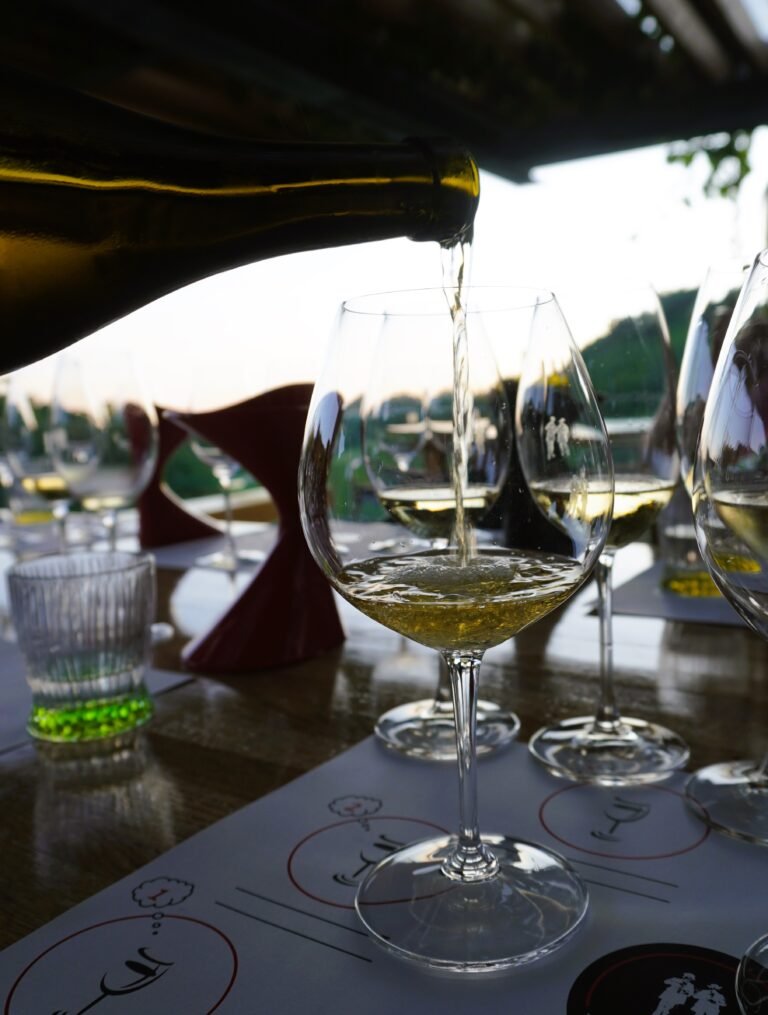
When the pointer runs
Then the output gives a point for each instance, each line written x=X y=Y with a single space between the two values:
x=471 y=860
x=225 y=482
x=109 y=518
x=607 y=712
x=60 y=513
x=443 y=702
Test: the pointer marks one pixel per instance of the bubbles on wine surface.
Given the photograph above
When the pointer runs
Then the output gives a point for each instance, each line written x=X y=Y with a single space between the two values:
x=447 y=603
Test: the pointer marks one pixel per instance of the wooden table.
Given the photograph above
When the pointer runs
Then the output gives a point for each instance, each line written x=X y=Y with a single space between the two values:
x=73 y=826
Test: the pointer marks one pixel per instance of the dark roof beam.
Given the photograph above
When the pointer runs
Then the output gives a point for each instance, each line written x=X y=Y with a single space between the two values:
x=689 y=30
x=746 y=32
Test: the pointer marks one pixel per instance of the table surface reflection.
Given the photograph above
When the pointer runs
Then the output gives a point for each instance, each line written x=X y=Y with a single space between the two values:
x=74 y=825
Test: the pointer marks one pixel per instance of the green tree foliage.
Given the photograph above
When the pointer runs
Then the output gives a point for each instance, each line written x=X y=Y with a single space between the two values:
x=727 y=155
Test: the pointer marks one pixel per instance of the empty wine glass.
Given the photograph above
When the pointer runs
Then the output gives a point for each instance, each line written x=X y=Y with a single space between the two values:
x=712 y=309
x=103 y=433
x=624 y=341
x=224 y=469
x=752 y=978
x=466 y=902
x=407 y=449
x=27 y=446
x=730 y=506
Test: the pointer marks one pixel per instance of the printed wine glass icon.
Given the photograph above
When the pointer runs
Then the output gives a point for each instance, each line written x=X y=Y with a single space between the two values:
x=104 y=432
x=26 y=432
x=730 y=502
x=407 y=447
x=467 y=902
x=623 y=337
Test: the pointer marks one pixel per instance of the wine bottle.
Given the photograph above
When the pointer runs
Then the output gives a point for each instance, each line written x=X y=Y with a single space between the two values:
x=103 y=210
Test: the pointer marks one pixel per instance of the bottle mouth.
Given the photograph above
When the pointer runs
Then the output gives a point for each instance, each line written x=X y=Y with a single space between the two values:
x=456 y=180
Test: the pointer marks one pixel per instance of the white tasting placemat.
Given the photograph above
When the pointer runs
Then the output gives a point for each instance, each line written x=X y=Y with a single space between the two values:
x=255 y=913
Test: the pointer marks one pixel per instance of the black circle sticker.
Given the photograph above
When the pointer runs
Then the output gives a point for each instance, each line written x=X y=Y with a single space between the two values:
x=657 y=979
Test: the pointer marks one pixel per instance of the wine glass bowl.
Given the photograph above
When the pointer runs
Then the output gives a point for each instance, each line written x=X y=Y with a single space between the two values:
x=465 y=902
x=104 y=433
x=711 y=314
x=224 y=469
x=623 y=337
x=407 y=435
x=26 y=424
x=730 y=507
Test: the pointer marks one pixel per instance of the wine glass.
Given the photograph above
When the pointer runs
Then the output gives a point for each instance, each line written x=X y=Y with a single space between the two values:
x=27 y=446
x=752 y=978
x=712 y=309
x=225 y=469
x=730 y=496
x=218 y=393
x=624 y=341
x=465 y=902
x=103 y=433
x=407 y=434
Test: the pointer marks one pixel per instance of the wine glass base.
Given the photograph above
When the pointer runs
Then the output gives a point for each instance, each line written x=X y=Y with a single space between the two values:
x=530 y=907
x=425 y=730
x=639 y=752
x=731 y=798
x=752 y=978
x=217 y=561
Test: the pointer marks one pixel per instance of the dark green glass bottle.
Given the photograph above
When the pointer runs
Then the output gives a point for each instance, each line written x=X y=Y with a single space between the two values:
x=103 y=210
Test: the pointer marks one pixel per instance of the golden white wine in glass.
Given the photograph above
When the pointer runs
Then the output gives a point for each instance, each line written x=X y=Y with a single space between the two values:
x=407 y=454
x=730 y=511
x=465 y=902
x=623 y=337
x=711 y=314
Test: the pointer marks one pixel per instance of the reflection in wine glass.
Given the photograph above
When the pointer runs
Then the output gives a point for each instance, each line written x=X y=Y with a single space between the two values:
x=224 y=469
x=407 y=437
x=710 y=317
x=623 y=337
x=27 y=445
x=104 y=433
x=730 y=504
x=466 y=902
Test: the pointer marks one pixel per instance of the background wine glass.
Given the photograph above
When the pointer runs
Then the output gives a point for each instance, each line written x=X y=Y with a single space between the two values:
x=219 y=388
x=730 y=502
x=104 y=432
x=623 y=337
x=224 y=469
x=465 y=902
x=407 y=441
x=712 y=309
x=27 y=447
x=752 y=978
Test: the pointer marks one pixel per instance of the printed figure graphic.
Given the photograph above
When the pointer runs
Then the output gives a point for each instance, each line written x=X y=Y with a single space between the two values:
x=708 y=1001
x=679 y=989
x=550 y=433
x=557 y=435
x=563 y=436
